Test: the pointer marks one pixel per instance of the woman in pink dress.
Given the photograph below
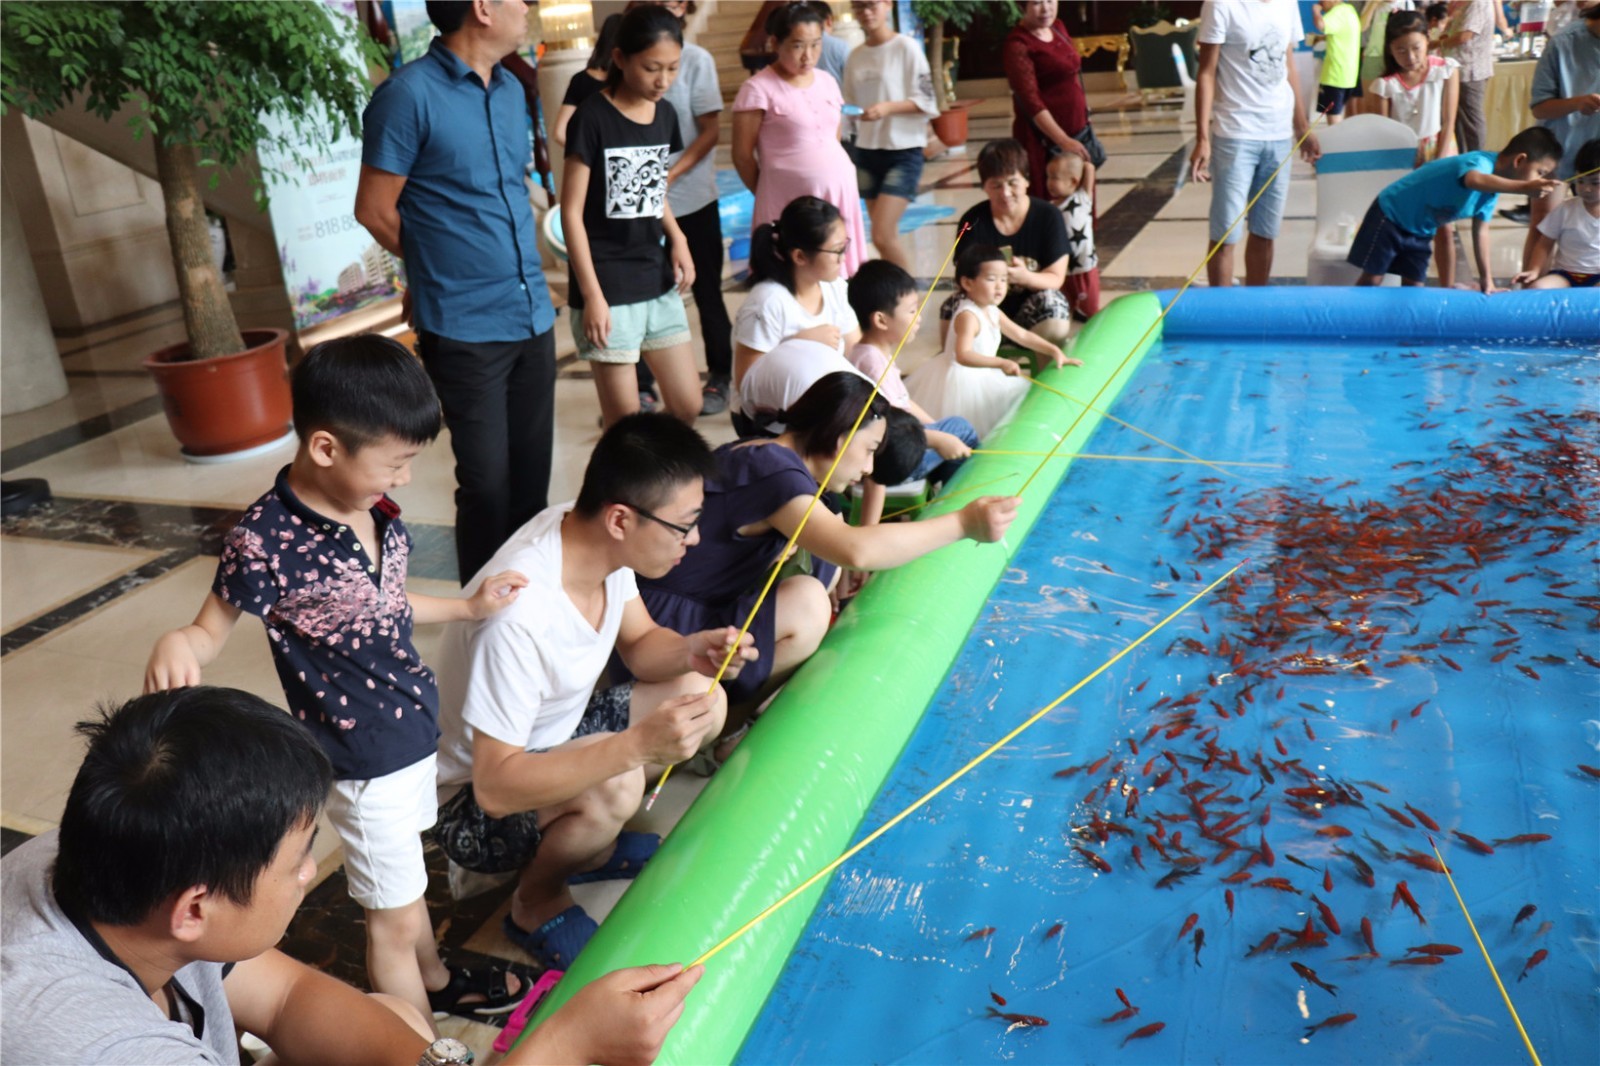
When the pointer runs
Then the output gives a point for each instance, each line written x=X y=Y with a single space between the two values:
x=786 y=131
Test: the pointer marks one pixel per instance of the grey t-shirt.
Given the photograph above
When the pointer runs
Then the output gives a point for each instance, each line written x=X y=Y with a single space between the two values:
x=68 y=1001
x=695 y=92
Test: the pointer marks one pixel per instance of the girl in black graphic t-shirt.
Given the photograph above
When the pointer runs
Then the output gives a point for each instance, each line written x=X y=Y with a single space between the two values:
x=625 y=248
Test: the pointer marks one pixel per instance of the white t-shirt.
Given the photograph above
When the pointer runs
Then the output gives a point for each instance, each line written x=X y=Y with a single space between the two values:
x=524 y=675
x=1418 y=108
x=894 y=70
x=783 y=375
x=1253 y=101
x=693 y=93
x=771 y=314
x=1577 y=236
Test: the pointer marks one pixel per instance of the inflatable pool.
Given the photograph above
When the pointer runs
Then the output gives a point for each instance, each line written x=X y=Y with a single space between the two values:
x=1410 y=644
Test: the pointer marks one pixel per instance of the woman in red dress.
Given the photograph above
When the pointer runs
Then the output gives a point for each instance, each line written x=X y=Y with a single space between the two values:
x=1051 y=112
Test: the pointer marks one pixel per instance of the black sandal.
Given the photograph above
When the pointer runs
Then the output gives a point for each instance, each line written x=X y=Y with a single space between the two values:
x=497 y=999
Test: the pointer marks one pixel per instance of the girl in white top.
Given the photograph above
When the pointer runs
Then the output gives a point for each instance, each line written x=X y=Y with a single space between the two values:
x=1572 y=231
x=798 y=293
x=1421 y=91
x=967 y=378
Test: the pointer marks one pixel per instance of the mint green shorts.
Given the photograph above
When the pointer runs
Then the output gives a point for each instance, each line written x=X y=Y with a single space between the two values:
x=647 y=326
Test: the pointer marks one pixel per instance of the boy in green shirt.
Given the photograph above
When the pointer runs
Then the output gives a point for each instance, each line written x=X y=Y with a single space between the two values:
x=1341 y=64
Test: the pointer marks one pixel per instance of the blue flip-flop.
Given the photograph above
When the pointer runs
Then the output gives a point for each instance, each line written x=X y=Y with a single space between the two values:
x=633 y=850
x=557 y=942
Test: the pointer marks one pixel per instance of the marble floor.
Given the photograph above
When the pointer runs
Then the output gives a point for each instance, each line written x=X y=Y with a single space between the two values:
x=127 y=549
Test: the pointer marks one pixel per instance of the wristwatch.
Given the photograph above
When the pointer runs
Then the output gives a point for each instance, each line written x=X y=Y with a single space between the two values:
x=446 y=1051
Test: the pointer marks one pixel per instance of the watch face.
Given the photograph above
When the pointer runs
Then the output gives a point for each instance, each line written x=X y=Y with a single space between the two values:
x=447 y=1051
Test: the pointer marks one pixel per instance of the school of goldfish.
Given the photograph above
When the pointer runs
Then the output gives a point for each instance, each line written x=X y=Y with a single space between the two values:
x=1190 y=801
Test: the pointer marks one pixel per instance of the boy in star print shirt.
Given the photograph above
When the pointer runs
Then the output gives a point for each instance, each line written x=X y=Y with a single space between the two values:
x=1070 y=181
x=321 y=559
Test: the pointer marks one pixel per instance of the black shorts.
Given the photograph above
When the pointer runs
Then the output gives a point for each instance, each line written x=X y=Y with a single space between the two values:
x=1332 y=100
x=475 y=841
x=1381 y=247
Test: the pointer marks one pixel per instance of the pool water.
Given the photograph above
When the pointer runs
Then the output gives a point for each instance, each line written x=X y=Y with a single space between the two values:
x=1415 y=628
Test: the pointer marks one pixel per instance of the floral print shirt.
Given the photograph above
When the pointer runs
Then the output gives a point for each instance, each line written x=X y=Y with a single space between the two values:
x=340 y=628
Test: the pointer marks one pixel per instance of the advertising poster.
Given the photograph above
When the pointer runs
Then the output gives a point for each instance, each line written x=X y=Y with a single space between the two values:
x=331 y=264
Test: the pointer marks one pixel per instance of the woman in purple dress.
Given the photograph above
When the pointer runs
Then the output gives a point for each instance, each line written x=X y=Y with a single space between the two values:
x=753 y=507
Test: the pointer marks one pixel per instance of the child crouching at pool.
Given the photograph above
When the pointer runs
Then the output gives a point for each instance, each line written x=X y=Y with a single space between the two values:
x=1572 y=231
x=884 y=298
x=1396 y=236
x=753 y=506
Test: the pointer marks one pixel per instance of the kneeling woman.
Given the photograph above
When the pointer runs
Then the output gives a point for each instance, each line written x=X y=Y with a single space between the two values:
x=754 y=506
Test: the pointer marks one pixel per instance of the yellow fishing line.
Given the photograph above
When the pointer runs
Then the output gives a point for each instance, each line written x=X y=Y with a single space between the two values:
x=1126 y=425
x=1532 y=1054
x=1128 y=458
x=777 y=567
x=962 y=491
x=947 y=782
x=1312 y=125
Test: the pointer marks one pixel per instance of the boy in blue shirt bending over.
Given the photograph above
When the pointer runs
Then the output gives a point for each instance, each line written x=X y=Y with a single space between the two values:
x=1396 y=237
x=321 y=559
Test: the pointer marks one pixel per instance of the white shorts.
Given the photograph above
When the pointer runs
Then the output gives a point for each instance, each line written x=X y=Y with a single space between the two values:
x=380 y=823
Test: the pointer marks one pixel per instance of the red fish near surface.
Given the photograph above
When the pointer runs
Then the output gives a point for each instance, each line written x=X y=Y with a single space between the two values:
x=1533 y=960
x=1144 y=1031
x=1330 y=1023
x=1019 y=1021
x=1366 y=934
x=1402 y=894
x=1525 y=838
x=1188 y=924
x=986 y=931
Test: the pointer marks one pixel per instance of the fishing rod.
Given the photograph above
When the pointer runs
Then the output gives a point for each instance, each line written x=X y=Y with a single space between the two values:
x=970 y=765
x=1501 y=985
x=1215 y=248
x=777 y=566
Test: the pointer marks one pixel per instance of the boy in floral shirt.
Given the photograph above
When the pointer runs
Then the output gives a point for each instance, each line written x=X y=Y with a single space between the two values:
x=321 y=559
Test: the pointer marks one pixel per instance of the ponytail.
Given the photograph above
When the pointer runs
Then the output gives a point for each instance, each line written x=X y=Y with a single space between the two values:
x=803 y=227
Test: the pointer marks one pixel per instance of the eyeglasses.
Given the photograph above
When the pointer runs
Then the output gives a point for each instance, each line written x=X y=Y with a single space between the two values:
x=835 y=251
x=682 y=531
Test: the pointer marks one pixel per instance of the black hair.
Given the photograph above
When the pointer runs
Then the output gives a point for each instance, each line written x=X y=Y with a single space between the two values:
x=1535 y=142
x=878 y=285
x=823 y=9
x=1588 y=157
x=604 y=45
x=1436 y=12
x=1400 y=23
x=641 y=461
x=824 y=413
x=195 y=786
x=1001 y=159
x=782 y=21
x=363 y=388
x=803 y=227
x=972 y=258
x=905 y=442
x=448 y=16
x=640 y=29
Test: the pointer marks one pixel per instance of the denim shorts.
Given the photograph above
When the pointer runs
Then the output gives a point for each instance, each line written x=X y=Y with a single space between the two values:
x=1239 y=169
x=1382 y=247
x=646 y=326
x=888 y=171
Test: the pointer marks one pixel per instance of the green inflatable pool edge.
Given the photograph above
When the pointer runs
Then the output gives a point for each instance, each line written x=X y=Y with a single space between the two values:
x=793 y=796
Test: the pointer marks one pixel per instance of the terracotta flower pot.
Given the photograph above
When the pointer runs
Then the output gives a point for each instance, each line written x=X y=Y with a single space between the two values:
x=230 y=404
x=951 y=125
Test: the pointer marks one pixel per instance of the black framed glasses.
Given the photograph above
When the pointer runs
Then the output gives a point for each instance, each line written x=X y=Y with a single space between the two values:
x=839 y=251
x=682 y=531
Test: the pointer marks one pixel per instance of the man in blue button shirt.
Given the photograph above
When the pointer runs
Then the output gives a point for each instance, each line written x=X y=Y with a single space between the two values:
x=444 y=157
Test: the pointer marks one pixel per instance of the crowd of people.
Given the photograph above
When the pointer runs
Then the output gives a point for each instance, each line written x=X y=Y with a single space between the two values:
x=580 y=655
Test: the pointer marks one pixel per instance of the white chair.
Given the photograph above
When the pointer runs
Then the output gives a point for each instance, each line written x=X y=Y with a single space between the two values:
x=1360 y=156
x=1186 y=116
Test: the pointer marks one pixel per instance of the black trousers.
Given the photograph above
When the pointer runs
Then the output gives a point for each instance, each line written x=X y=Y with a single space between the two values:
x=499 y=403
x=703 y=231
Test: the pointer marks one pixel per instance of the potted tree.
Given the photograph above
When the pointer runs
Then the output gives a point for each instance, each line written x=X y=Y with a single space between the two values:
x=951 y=125
x=208 y=82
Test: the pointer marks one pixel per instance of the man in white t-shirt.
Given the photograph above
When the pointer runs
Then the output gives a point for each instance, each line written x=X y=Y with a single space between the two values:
x=1248 y=112
x=538 y=771
x=888 y=78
